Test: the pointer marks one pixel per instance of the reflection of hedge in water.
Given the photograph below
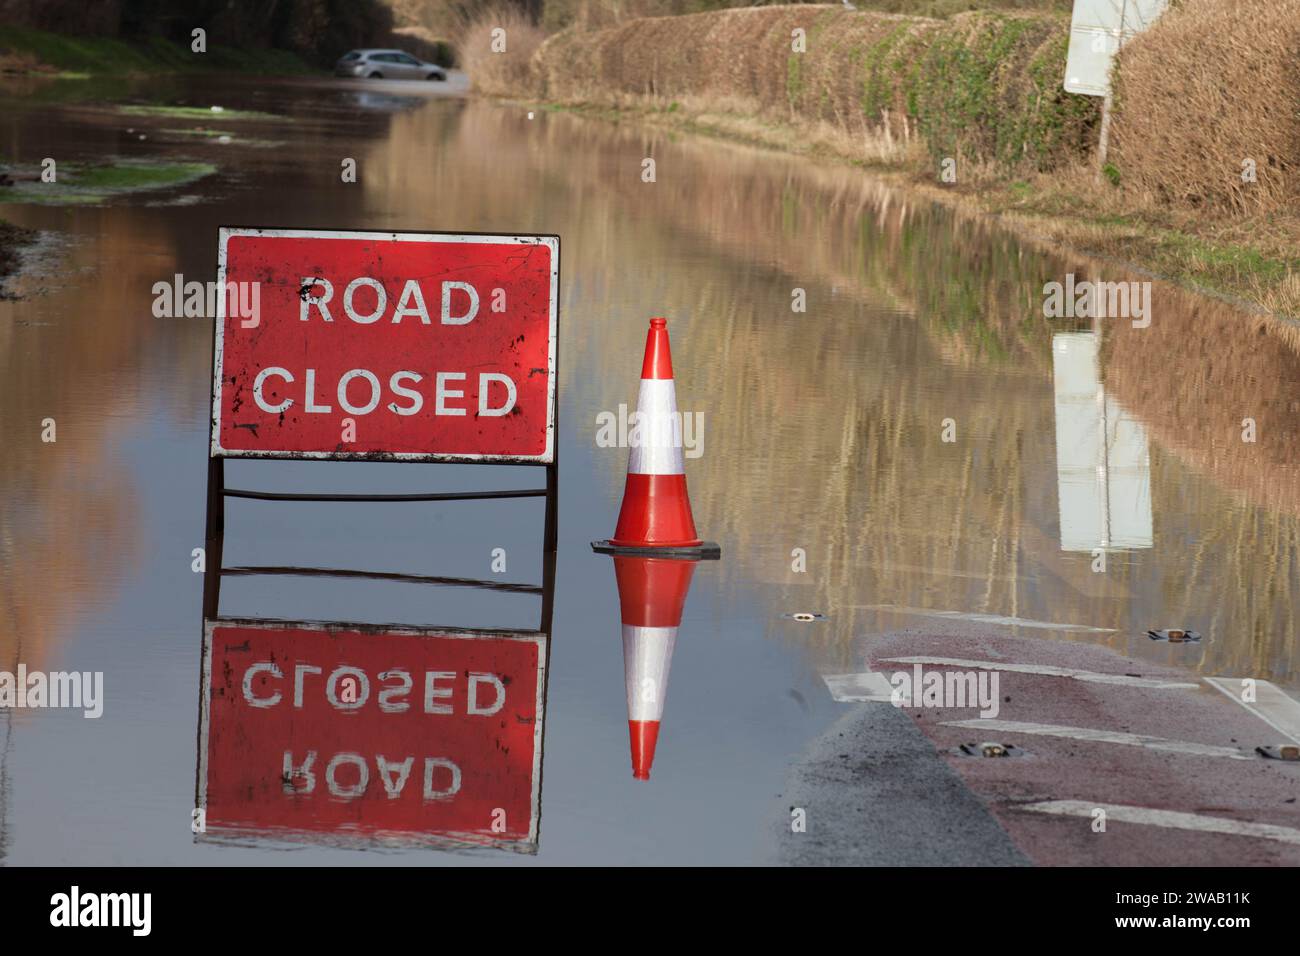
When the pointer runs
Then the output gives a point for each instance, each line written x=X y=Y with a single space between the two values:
x=822 y=429
x=68 y=521
x=984 y=87
x=989 y=308
x=1197 y=372
x=1238 y=572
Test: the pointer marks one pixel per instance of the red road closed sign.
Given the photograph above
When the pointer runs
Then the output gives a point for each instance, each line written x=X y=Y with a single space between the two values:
x=422 y=346
x=350 y=734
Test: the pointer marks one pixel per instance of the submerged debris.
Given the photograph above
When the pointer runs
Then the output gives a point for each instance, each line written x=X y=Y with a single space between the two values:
x=1280 y=751
x=1175 y=636
x=804 y=616
x=991 y=748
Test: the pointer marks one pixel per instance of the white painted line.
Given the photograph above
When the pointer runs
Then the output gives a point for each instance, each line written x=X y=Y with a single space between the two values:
x=1271 y=705
x=856 y=688
x=1048 y=671
x=984 y=618
x=1105 y=737
x=1167 y=818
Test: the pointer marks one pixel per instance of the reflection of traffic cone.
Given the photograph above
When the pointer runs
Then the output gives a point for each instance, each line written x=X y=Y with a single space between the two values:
x=651 y=593
x=656 y=514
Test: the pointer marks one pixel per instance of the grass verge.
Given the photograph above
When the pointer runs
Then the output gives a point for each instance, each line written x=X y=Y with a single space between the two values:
x=24 y=50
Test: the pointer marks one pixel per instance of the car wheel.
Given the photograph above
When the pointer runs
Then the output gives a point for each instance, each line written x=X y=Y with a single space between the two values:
x=436 y=76
x=375 y=76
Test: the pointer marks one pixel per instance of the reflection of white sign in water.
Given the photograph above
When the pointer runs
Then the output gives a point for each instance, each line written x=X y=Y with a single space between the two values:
x=1097 y=30
x=1103 y=475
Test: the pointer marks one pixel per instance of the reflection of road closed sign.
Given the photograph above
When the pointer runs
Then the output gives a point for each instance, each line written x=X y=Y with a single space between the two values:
x=385 y=345
x=371 y=735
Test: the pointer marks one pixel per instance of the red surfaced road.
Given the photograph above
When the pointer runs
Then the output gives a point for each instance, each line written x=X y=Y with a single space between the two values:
x=1105 y=774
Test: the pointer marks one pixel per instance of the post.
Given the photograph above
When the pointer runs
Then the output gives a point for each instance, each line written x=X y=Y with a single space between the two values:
x=550 y=535
x=1103 y=139
x=214 y=536
x=548 y=592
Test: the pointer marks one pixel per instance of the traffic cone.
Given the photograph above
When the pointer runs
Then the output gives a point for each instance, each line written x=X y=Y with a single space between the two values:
x=656 y=514
x=651 y=594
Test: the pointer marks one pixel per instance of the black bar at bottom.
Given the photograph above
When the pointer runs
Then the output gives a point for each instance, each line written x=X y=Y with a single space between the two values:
x=280 y=904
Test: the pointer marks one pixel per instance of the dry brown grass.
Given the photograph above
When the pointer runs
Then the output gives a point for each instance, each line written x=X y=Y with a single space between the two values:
x=1214 y=83
x=15 y=61
x=507 y=72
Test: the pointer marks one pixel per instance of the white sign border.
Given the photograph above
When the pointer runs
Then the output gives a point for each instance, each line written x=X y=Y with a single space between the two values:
x=225 y=233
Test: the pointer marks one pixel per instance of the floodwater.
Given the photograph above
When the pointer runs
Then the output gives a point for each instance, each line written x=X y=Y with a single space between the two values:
x=823 y=449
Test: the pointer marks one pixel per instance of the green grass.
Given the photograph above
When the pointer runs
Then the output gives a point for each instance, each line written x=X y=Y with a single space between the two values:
x=225 y=135
x=99 y=56
x=202 y=112
x=1225 y=263
x=92 y=185
x=199 y=131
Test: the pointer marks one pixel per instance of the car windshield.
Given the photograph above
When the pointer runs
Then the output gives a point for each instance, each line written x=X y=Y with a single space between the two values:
x=351 y=55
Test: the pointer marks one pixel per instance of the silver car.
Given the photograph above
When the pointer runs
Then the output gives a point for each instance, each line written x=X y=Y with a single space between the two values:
x=387 y=65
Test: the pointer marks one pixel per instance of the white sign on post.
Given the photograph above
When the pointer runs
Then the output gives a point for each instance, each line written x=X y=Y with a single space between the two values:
x=1097 y=30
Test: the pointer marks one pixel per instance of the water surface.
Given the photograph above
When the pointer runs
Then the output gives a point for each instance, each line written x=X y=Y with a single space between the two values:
x=824 y=436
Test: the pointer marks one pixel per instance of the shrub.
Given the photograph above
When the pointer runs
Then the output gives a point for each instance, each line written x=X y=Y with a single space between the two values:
x=1212 y=85
x=508 y=72
x=986 y=87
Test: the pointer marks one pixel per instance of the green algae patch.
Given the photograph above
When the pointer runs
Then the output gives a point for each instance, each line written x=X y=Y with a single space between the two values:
x=92 y=185
x=202 y=112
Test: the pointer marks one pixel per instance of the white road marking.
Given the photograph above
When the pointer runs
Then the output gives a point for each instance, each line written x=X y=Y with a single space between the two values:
x=984 y=618
x=1167 y=818
x=1048 y=671
x=1105 y=737
x=1271 y=705
x=855 y=688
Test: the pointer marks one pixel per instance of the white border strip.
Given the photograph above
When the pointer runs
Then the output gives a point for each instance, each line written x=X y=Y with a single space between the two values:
x=1122 y=813
x=1047 y=670
x=225 y=233
x=870 y=686
x=1105 y=737
x=1272 y=704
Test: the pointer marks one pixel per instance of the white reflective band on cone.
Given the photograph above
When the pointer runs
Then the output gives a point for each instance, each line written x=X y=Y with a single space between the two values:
x=658 y=449
x=647 y=655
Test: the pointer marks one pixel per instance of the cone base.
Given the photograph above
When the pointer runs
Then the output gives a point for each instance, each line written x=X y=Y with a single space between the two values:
x=656 y=511
x=704 y=551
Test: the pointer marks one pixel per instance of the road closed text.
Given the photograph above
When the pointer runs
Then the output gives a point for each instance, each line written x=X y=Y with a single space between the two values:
x=267 y=684
x=395 y=344
x=359 y=391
